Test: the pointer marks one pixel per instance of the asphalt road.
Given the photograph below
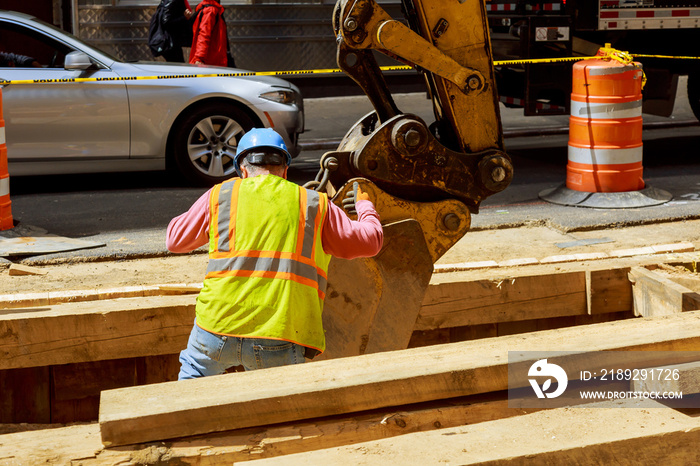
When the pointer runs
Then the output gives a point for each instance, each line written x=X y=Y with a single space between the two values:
x=128 y=212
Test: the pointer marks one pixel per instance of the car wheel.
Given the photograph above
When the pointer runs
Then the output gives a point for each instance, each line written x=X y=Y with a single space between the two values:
x=694 y=93
x=205 y=142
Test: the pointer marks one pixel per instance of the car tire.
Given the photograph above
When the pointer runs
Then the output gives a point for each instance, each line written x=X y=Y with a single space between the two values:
x=205 y=142
x=694 y=93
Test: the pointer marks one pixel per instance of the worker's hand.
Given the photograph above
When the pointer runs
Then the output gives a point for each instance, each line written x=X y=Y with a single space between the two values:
x=352 y=197
x=361 y=195
x=188 y=13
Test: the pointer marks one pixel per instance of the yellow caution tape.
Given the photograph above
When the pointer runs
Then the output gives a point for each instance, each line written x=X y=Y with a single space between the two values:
x=181 y=76
x=527 y=61
x=608 y=53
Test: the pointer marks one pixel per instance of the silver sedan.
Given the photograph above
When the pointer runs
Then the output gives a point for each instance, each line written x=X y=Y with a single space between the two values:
x=114 y=124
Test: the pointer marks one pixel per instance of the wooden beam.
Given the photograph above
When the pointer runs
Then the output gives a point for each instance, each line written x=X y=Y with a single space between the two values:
x=50 y=298
x=683 y=273
x=283 y=394
x=86 y=331
x=503 y=300
x=608 y=290
x=655 y=294
x=81 y=444
x=683 y=378
x=25 y=396
x=613 y=433
x=94 y=324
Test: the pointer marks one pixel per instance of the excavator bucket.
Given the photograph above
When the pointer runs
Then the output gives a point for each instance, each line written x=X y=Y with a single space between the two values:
x=372 y=304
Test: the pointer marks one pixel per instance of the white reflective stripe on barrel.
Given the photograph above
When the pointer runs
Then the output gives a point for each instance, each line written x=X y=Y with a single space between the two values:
x=597 y=156
x=2 y=135
x=606 y=111
x=604 y=71
x=5 y=186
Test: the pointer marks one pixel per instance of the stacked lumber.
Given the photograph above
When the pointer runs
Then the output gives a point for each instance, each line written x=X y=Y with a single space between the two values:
x=642 y=433
x=444 y=402
x=53 y=343
x=59 y=350
x=665 y=289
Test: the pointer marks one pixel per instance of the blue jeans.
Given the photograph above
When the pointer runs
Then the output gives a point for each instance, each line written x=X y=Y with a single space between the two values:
x=211 y=354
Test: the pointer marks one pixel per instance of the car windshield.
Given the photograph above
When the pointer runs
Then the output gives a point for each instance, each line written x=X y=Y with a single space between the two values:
x=86 y=47
x=23 y=46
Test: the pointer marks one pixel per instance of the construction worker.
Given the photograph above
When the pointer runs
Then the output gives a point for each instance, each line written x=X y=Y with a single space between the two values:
x=270 y=242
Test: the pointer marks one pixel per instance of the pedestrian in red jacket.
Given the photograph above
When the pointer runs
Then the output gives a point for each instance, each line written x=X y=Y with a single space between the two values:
x=209 y=43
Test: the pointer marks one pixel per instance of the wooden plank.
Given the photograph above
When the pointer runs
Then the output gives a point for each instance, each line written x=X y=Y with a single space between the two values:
x=608 y=290
x=94 y=331
x=66 y=445
x=156 y=369
x=21 y=269
x=75 y=388
x=232 y=401
x=25 y=300
x=683 y=378
x=654 y=294
x=75 y=410
x=505 y=300
x=651 y=434
x=684 y=273
x=75 y=381
x=91 y=329
x=25 y=395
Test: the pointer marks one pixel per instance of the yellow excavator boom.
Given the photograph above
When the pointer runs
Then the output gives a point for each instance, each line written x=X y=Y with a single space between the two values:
x=425 y=180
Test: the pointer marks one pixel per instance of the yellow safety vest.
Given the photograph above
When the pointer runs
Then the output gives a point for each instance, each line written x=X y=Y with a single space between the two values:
x=267 y=268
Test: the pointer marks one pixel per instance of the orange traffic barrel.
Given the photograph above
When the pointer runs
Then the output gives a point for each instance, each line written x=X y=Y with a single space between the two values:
x=5 y=205
x=605 y=127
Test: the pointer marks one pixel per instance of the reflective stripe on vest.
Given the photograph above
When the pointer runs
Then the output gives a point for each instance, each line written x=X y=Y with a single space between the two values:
x=298 y=266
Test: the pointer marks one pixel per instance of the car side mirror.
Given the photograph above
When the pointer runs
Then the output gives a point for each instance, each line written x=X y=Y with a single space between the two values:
x=77 y=61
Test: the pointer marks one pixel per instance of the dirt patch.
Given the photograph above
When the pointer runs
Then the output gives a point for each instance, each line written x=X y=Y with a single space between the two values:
x=187 y=268
x=481 y=245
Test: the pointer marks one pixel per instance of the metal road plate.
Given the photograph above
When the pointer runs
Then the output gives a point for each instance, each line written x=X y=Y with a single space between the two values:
x=32 y=241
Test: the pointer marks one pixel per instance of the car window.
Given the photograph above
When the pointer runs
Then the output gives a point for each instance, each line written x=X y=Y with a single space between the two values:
x=24 y=47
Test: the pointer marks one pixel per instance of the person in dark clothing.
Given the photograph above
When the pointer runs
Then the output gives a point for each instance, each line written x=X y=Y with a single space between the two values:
x=17 y=60
x=176 y=20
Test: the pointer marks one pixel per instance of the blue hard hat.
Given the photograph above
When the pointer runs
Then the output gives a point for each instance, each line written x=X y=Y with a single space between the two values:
x=259 y=138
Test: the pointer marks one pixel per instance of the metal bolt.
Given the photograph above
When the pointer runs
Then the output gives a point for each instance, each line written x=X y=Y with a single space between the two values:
x=498 y=174
x=331 y=164
x=474 y=83
x=451 y=222
x=412 y=138
x=350 y=23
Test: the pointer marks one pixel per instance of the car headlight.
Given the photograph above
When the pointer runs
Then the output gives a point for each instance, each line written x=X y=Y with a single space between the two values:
x=281 y=96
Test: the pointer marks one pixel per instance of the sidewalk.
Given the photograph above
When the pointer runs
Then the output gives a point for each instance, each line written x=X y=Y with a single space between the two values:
x=322 y=128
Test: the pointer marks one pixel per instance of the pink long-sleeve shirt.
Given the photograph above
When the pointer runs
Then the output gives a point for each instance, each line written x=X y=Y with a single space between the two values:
x=340 y=236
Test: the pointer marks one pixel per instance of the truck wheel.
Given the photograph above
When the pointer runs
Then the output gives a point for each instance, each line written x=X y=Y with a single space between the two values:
x=205 y=142
x=694 y=93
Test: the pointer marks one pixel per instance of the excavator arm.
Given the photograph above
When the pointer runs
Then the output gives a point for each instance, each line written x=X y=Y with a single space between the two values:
x=425 y=180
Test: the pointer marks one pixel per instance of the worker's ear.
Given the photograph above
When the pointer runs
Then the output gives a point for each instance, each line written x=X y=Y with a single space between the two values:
x=244 y=172
x=284 y=174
